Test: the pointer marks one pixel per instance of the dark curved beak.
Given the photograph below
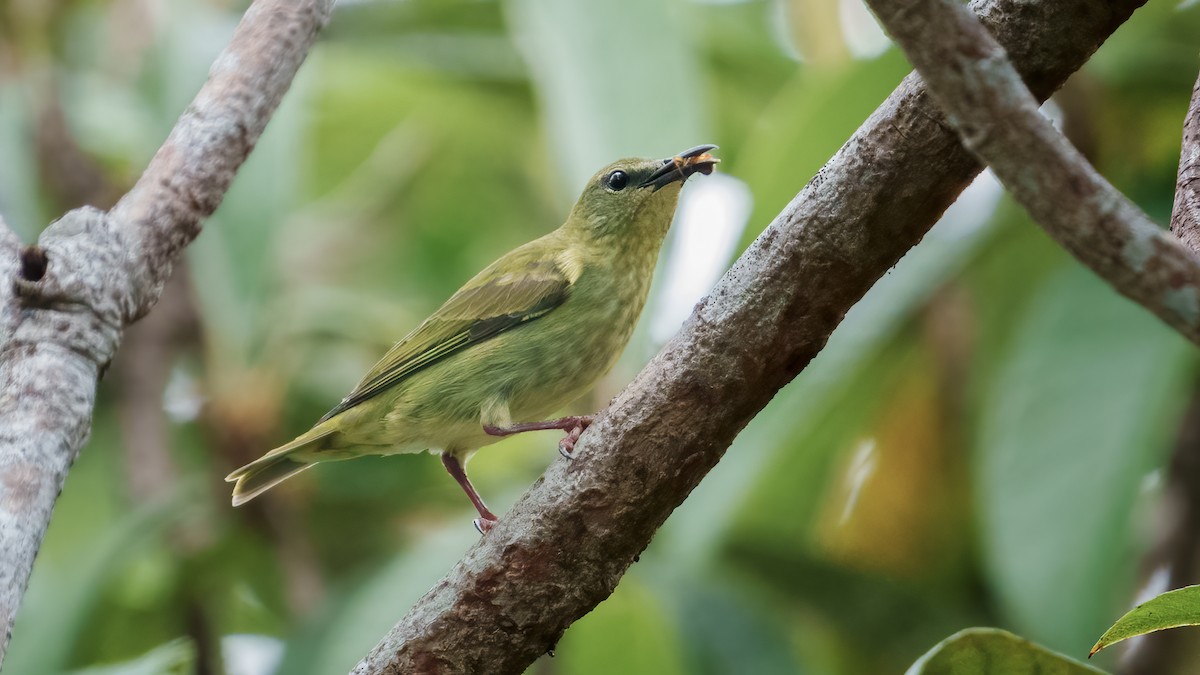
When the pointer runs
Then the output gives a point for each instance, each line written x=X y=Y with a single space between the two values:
x=679 y=167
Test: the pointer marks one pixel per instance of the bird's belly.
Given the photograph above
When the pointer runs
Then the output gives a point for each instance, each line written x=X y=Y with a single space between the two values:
x=528 y=372
x=583 y=354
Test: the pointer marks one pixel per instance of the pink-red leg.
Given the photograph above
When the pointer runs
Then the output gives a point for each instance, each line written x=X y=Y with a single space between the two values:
x=486 y=518
x=566 y=446
x=574 y=426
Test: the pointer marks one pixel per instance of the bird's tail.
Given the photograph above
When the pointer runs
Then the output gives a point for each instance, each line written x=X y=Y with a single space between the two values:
x=272 y=468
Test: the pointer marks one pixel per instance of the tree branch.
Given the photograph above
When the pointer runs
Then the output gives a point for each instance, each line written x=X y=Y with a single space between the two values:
x=1185 y=216
x=93 y=273
x=564 y=546
x=998 y=119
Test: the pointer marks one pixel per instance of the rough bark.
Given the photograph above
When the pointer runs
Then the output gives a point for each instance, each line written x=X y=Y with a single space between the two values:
x=997 y=118
x=565 y=545
x=1185 y=216
x=92 y=273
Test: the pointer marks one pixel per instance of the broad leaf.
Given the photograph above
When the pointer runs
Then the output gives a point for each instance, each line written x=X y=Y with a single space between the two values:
x=991 y=651
x=1080 y=410
x=177 y=657
x=587 y=80
x=1172 y=609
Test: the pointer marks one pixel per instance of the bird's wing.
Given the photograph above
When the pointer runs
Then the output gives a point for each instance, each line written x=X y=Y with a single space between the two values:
x=514 y=290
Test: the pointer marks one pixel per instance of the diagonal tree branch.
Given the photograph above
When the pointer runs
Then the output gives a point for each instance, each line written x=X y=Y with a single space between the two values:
x=1185 y=216
x=564 y=546
x=65 y=302
x=998 y=119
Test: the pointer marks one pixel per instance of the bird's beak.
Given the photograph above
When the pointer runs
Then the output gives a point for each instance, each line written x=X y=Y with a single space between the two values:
x=679 y=167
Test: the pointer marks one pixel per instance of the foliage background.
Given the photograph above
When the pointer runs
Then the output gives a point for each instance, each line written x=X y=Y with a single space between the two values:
x=982 y=442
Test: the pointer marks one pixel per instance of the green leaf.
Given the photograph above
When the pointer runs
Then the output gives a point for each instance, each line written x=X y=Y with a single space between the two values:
x=1180 y=607
x=18 y=164
x=630 y=632
x=600 y=101
x=1081 y=408
x=991 y=651
x=804 y=124
x=335 y=640
x=63 y=594
x=721 y=625
x=177 y=657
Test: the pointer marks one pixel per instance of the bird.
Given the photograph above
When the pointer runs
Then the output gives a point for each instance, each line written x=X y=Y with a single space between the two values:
x=532 y=332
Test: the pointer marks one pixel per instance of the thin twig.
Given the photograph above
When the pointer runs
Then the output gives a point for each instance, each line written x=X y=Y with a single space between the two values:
x=565 y=545
x=998 y=119
x=66 y=301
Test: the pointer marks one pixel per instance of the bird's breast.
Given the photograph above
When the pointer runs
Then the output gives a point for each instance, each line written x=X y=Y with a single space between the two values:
x=585 y=337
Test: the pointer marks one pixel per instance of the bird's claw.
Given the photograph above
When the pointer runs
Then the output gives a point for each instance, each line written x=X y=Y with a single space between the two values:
x=566 y=447
x=483 y=525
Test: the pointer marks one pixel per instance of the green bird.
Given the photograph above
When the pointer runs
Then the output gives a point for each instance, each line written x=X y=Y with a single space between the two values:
x=529 y=334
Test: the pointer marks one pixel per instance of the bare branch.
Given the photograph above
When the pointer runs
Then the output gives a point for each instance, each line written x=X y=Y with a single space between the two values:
x=998 y=119
x=67 y=300
x=1175 y=551
x=190 y=173
x=1185 y=217
x=564 y=546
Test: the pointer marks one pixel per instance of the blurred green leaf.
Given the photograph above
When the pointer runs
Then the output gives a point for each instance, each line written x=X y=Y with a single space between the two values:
x=61 y=605
x=394 y=21
x=884 y=623
x=1081 y=409
x=630 y=632
x=337 y=638
x=19 y=204
x=426 y=137
x=1173 y=609
x=174 y=658
x=991 y=651
x=805 y=123
x=726 y=628
x=640 y=95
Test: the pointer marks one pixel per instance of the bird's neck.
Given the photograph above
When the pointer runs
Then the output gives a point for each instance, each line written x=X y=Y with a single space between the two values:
x=612 y=273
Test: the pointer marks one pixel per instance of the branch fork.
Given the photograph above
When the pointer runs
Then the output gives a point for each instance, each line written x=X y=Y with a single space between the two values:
x=92 y=273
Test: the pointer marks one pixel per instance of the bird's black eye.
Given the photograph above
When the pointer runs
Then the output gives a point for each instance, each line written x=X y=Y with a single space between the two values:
x=616 y=181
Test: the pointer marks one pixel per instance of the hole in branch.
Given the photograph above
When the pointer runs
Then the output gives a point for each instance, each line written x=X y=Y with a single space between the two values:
x=33 y=263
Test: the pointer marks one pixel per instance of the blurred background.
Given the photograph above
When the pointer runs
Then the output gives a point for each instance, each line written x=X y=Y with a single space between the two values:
x=992 y=437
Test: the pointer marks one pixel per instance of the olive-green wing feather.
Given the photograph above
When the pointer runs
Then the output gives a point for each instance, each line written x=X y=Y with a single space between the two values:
x=518 y=288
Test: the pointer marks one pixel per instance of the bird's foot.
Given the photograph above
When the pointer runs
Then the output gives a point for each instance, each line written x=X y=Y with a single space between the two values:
x=484 y=525
x=566 y=447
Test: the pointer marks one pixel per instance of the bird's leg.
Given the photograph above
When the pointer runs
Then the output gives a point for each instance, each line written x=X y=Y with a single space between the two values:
x=574 y=426
x=486 y=518
x=562 y=423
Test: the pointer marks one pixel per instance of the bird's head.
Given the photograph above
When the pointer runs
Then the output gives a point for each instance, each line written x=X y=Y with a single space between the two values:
x=633 y=197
